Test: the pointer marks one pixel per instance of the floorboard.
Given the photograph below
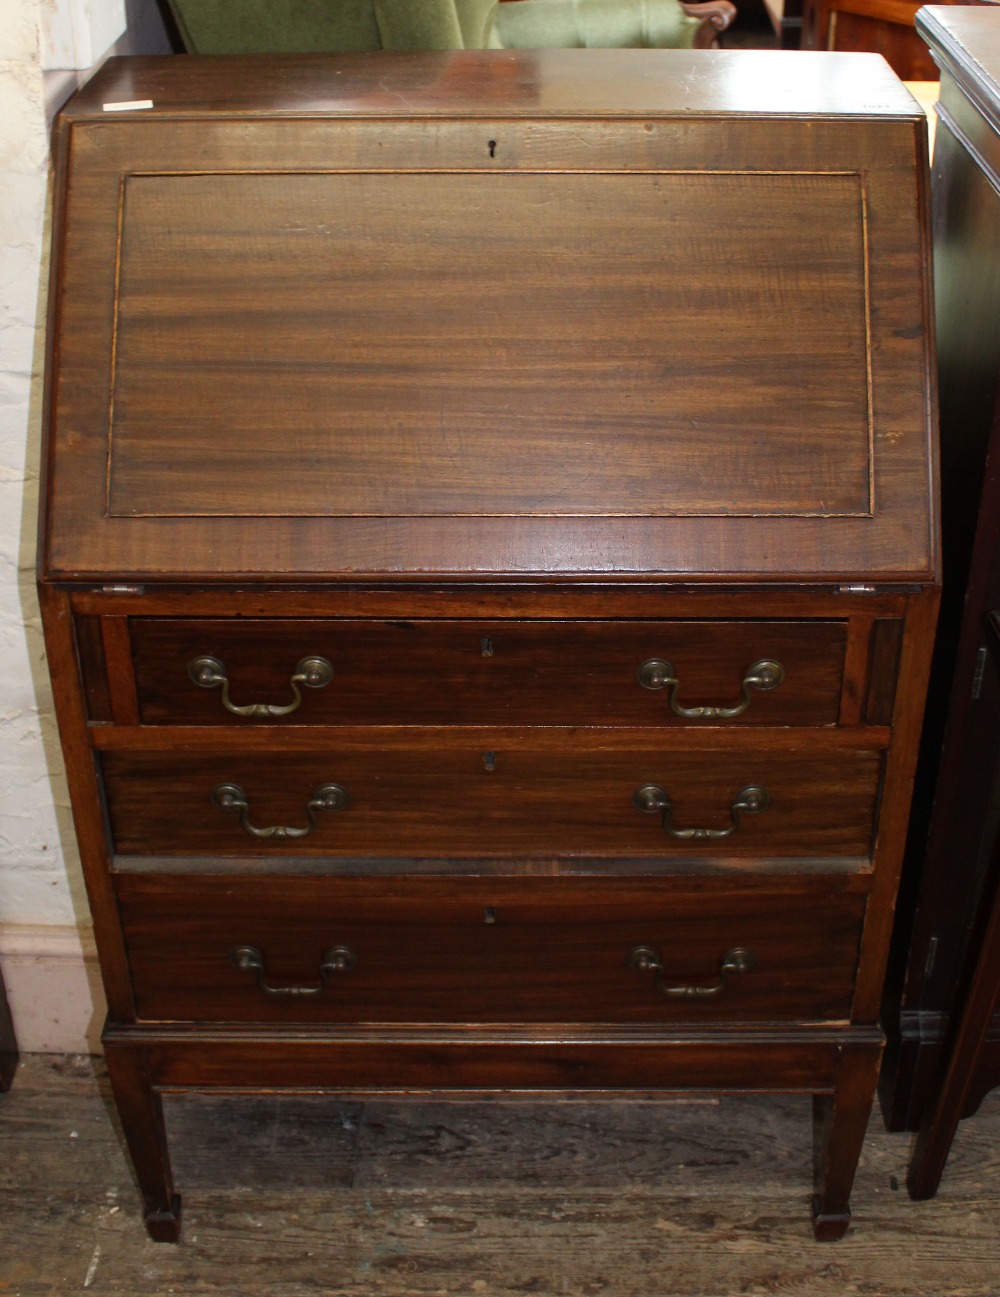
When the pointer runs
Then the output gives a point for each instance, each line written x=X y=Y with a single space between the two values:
x=298 y=1197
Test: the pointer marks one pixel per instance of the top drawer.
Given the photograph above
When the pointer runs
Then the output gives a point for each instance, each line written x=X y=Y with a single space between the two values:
x=488 y=673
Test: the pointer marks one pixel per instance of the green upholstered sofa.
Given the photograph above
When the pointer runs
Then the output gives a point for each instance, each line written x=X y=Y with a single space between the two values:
x=302 y=26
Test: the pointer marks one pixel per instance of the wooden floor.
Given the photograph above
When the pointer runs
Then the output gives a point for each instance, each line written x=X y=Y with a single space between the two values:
x=309 y=1196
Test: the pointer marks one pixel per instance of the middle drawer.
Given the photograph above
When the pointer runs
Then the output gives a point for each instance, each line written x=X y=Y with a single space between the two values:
x=620 y=793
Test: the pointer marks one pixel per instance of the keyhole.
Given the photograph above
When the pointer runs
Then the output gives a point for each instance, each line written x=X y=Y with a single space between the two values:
x=490 y=914
x=492 y=144
x=490 y=761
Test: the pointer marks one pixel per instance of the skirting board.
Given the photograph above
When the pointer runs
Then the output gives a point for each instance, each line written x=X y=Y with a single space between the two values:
x=54 y=988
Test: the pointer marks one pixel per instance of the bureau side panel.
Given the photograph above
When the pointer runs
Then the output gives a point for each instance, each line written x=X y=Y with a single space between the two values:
x=86 y=797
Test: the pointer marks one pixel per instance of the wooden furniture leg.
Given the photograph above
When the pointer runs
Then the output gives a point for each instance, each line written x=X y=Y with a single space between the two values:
x=141 y=1112
x=840 y=1122
x=8 y=1042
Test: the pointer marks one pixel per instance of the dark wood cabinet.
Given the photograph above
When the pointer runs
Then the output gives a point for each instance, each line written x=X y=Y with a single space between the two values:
x=969 y=1065
x=489 y=582
x=886 y=27
x=958 y=811
x=883 y=27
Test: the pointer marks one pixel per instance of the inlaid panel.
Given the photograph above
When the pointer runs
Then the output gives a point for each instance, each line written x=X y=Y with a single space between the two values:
x=526 y=344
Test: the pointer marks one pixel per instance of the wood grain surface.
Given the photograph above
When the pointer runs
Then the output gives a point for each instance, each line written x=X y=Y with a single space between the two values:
x=491 y=950
x=456 y=797
x=424 y=672
x=658 y=333
x=883 y=27
x=521 y=344
x=763 y=384
x=296 y=1197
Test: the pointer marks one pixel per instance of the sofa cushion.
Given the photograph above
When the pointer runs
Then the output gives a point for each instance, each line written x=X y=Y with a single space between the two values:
x=477 y=20
x=593 y=24
x=418 y=25
x=275 y=26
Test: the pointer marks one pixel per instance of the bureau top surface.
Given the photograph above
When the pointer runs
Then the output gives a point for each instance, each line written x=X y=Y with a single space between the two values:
x=519 y=83
x=641 y=314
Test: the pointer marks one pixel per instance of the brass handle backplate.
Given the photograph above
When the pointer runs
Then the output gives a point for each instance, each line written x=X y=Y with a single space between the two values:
x=327 y=797
x=764 y=675
x=210 y=673
x=651 y=798
x=644 y=959
x=338 y=959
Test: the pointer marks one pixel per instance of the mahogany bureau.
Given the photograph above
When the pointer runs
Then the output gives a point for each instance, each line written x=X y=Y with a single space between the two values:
x=489 y=571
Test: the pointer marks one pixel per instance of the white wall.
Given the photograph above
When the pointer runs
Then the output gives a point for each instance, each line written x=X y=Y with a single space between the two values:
x=76 y=33
x=46 y=46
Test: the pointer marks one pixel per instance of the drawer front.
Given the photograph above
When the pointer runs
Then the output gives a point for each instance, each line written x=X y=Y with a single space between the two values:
x=301 y=949
x=633 y=799
x=479 y=672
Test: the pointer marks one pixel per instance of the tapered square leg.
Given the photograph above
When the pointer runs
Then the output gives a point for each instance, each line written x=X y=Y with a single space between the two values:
x=840 y=1121
x=140 y=1110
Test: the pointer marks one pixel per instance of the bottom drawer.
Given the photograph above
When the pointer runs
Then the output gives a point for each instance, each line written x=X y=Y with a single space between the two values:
x=492 y=950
